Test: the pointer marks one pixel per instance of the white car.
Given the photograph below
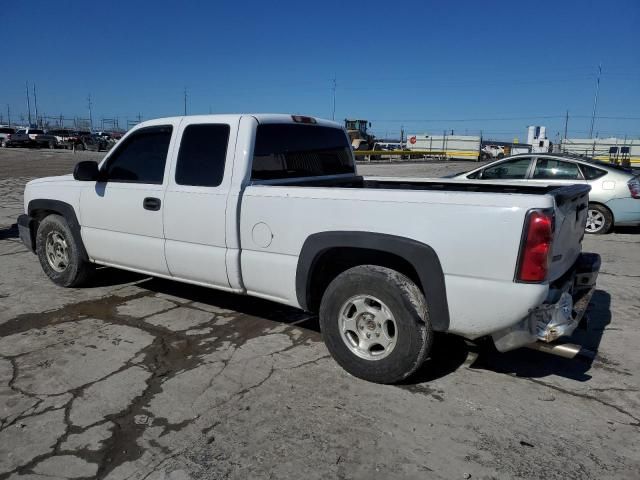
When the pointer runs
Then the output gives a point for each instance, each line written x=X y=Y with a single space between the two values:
x=272 y=206
x=614 y=199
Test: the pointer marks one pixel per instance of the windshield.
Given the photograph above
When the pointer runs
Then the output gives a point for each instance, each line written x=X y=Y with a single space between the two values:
x=294 y=150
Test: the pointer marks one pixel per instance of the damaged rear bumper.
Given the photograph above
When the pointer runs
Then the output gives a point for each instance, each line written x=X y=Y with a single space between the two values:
x=566 y=304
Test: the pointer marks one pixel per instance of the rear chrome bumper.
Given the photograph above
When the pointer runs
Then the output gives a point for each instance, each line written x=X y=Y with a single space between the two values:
x=561 y=313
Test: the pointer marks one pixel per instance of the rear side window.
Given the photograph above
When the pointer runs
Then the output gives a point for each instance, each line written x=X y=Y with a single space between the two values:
x=591 y=173
x=294 y=150
x=550 y=169
x=141 y=157
x=203 y=151
x=34 y=131
x=6 y=130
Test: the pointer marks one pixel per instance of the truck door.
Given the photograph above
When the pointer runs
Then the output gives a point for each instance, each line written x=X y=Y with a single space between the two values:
x=121 y=217
x=195 y=201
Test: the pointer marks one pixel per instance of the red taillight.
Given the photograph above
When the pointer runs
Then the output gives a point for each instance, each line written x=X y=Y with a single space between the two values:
x=634 y=187
x=8 y=136
x=535 y=251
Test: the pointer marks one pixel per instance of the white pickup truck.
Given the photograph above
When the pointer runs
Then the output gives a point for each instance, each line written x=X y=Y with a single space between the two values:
x=272 y=206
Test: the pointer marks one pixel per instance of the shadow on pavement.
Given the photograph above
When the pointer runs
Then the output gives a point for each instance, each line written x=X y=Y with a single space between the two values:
x=110 y=277
x=9 y=232
x=253 y=306
x=449 y=352
x=532 y=364
x=627 y=229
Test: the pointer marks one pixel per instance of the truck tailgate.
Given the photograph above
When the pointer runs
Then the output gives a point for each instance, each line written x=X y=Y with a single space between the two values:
x=570 y=219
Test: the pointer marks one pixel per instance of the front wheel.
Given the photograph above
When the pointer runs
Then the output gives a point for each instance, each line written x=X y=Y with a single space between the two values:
x=59 y=253
x=375 y=323
x=599 y=219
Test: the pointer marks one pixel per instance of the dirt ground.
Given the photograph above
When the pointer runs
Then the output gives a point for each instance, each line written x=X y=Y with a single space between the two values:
x=141 y=378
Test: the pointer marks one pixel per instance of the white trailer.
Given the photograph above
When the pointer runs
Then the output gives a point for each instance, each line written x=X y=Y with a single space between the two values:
x=459 y=147
x=606 y=149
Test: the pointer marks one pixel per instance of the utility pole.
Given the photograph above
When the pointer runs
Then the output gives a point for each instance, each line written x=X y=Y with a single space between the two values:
x=8 y=115
x=90 y=113
x=28 y=102
x=595 y=101
x=35 y=102
x=333 y=111
x=566 y=124
x=185 y=101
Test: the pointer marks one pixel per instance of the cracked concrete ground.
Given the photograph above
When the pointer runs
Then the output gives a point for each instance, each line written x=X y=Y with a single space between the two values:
x=140 y=378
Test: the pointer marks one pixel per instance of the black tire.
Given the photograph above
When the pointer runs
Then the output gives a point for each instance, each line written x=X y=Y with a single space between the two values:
x=51 y=145
x=500 y=156
x=77 y=270
x=599 y=213
x=80 y=146
x=413 y=332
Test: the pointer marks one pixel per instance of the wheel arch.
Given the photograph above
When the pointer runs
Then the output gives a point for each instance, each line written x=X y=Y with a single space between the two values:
x=40 y=208
x=604 y=205
x=327 y=254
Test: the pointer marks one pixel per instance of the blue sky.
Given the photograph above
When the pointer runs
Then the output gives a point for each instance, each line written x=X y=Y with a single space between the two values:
x=495 y=66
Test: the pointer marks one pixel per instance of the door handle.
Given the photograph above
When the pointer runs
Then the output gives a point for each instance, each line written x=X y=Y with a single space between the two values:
x=151 y=203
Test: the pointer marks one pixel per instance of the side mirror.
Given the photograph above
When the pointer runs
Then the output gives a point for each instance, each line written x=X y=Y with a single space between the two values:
x=86 y=171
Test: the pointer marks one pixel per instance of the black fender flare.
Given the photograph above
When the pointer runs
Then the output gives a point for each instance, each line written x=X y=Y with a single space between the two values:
x=61 y=208
x=420 y=255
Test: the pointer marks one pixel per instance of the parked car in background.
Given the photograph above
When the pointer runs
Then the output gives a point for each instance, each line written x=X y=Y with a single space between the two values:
x=490 y=152
x=5 y=134
x=614 y=199
x=64 y=136
x=93 y=142
x=24 y=137
x=46 y=140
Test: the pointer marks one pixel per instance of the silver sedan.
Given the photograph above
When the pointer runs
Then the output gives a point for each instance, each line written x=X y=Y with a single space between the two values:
x=615 y=191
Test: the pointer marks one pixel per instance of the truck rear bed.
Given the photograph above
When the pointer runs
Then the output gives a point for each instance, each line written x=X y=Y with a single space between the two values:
x=392 y=183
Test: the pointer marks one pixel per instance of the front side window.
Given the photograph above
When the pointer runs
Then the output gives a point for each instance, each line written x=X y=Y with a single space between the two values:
x=203 y=151
x=509 y=170
x=141 y=157
x=295 y=150
x=552 y=169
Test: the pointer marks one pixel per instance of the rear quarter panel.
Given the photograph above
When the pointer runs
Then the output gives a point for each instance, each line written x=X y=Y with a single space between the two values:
x=475 y=235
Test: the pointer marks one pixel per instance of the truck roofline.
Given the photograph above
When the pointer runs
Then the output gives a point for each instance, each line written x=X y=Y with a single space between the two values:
x=260 y=117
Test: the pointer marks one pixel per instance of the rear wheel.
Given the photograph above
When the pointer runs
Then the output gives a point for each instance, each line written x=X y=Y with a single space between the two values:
x=59 y=254
x=599 y=219
x=375 y=323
